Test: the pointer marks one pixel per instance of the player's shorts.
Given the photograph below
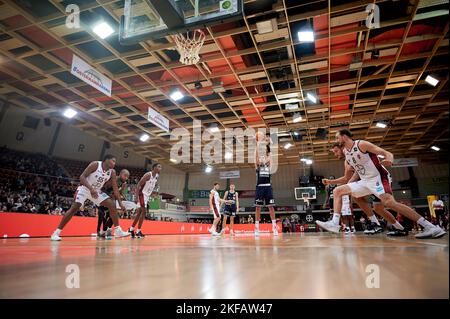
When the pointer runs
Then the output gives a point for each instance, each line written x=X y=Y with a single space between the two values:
x=143 y=200
x=264 y=196
x=229 y=210
x=82 y=194
x=216 y=212
x=374 y=186
x=128 y=205
x=375 y=200
x=346 y=209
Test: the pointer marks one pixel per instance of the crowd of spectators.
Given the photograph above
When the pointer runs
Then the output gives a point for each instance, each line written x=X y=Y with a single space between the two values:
x=28 y=162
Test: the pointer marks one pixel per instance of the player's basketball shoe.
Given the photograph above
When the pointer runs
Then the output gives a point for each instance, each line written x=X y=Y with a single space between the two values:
x=373 y=228
x=132 y=233
x=329 y=226
x=347 y=230
x=108 y=233
x=214 y=233
x=275 y=231
x=139 y=234
x=101 y=234
x=55 y=236
x=397 y=233
x=118 y=232
x=431 y=232
x=353 y=230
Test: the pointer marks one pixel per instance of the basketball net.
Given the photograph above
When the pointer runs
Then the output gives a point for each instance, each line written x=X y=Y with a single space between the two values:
x=189 y=45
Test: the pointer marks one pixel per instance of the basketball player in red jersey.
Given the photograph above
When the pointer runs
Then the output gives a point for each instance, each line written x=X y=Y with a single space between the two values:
x=363 y=157
x=374 y=226
x=144 y=191
x=92 y=180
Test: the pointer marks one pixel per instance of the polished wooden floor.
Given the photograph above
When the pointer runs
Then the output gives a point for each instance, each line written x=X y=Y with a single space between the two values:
x=315 y=265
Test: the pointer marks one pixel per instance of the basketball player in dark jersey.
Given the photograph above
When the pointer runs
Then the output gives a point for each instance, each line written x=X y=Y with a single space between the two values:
x=103 y=214
x=329 y=194
x=264 y=192
x=231 y=200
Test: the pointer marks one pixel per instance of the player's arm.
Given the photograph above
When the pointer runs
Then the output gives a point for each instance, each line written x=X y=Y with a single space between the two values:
x=237 y=201
x=141 y=184
x=211 y=198
x=122 y=189
x=224 y=200
x=366 y=146
x=83 y=178
x=256 y=157
x=354 y=178
x=116 y=189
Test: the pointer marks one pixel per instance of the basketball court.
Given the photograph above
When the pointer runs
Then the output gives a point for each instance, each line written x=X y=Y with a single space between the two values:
x=130 y=128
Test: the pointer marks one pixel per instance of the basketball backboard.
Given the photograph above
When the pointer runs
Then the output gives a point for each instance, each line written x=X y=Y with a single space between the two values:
x=154 y=19
x=302 y=193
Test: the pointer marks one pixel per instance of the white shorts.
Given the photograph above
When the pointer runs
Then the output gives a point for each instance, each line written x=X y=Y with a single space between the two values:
x=83 y=193
x=143 y=200
x=375 y=186
x=128 y=205
x=346 y=210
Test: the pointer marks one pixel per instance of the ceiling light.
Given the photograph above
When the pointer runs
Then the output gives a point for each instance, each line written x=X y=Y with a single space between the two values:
x=69 y=113
x=103 y=30
x=287 y=146
x=144 y=137
x=296 y=133
x=306 y=36
x=303 y=160
x=173 y=160
x=214 y=129
x=311 y=97
x=208 y=169
x=176 y=95
x=309 y=162
x=297 y=118
x=291 y=107
x=435 y=148
x=431 y=80
x=381 y=125
x=228 y=155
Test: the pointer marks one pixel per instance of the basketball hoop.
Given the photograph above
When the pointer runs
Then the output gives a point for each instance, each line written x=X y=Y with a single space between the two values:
x=189 y=46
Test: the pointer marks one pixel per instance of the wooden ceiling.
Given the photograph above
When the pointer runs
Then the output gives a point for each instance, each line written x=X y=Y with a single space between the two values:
x=360 y=76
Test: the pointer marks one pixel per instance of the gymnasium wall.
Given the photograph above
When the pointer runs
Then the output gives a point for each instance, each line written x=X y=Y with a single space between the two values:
x=15 y=136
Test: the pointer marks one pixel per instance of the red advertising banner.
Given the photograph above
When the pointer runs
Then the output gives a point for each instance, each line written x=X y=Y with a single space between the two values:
x=33 y=225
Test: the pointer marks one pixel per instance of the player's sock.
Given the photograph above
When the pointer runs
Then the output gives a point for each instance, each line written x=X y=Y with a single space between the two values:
x=336 y=218
x=374 y=219
x=398 y=226
x=424 y=223
x=138 y=230
x=257 y=225
x=57 y=231
x=131 y=228
x=274 y=223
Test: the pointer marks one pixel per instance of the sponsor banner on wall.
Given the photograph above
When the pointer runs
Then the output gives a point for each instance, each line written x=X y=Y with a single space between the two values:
x=174 y=207
x=405 y=162
x=35 y=225
x=91 y=76
x=157 y=119
x=205 y=193
x=229 y=174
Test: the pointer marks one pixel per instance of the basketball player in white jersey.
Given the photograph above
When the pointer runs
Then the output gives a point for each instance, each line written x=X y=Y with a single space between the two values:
x=363 y=157
x=214 y=205
x=92 y=180
x=144 y=191
x=374 y=226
